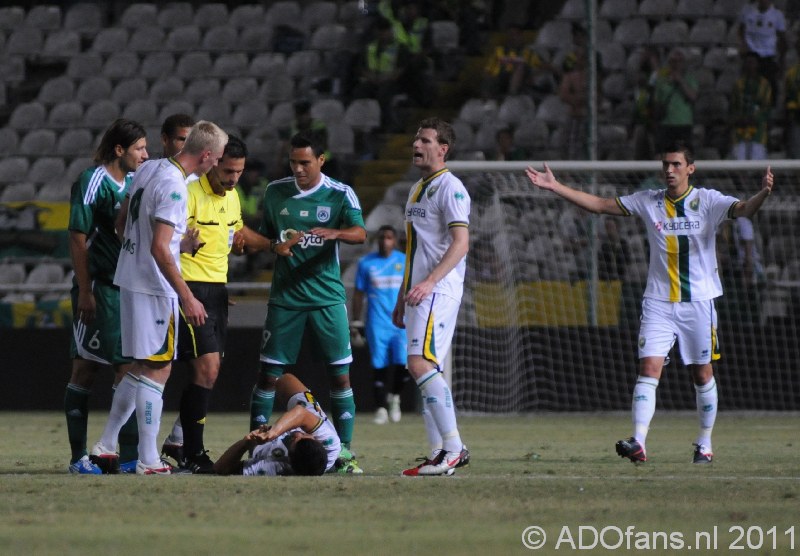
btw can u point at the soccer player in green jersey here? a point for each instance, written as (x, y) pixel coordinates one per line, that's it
(305, 217)
(94, 247)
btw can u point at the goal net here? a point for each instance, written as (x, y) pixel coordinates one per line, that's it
(549, 319)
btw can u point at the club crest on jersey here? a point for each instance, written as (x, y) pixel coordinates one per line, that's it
(431, 190)
(695, 204)
(175, 196)
(323, 214)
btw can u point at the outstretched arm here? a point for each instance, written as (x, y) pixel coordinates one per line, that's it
(592, 203)
(749, 207)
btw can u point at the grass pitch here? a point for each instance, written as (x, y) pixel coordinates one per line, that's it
(555, 471)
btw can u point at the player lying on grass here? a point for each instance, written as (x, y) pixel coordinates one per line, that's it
(302, 442)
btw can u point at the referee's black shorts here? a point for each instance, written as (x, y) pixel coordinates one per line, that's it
(194, 341)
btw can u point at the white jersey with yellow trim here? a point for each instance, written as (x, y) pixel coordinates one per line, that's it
(272, 458)
(435, 205)
(682, 234)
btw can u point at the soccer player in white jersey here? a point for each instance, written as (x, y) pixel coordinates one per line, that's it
(682, 283)
(302, 442)
(437, 220)
(151, 286)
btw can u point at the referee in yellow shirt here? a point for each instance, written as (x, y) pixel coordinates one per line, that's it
(213, 207)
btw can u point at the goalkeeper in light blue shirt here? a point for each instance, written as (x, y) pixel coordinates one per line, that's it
(378, 280)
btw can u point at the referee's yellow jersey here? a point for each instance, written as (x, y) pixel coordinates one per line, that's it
(217, 217)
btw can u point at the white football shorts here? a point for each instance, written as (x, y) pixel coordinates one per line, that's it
(148, 325)
(430, 326)
(693, 324)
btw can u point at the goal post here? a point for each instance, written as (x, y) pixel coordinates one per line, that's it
(549, 319)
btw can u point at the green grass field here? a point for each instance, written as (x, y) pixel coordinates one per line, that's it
(555, 471)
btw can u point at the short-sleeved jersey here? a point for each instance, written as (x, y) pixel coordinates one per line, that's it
(380, 279)
(761, 29)
(218, 218)
(435, 205)
(157, 194)
(312, 277)
(94, 203)
(682, 235)
(272, 458)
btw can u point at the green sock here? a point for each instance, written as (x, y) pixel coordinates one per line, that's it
(343, 407)
(76, 408)
(129, 440)
(261, 402)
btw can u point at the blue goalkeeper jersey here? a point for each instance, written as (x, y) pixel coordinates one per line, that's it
(381, 279)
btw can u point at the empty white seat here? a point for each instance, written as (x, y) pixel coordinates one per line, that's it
(210, 15)
(146, 39)
(56, 89)
(138, 15)
(278, 89)
(38, 142)
(673, 32)
(192, 65)
(45, 273)
(45, 17)
(101, 113)
(516, 108)
(121, 65)
(84, 65)
(110, 39)
(267, 64)
(175, 14)
(363, 114)
(256, 38)
(17, 192)
(246, 15)
(552, 110)
(286, 13)
(250, 114)
(329, 36)
(232, 64)
(74, 142)
(14, 168)
(28, 115)
(143, 111)
(341, 139)
(554, 35)
(618, 9)
(12, 273)
(693, 9)
(282, 115)
(54, 191)
(329, 110)
(573, 10)
(65, 114)
(632, 32)
(444, 35)
(615, 86)
(202, 89)
(221, 38)
(465, 135)
(709, 31)
(183, 39)
(128, 90)
(93, 89)
(9, 141)
(11, 17)
(240, 89)
(26, 42)
(61, 43)
(175, 107)
(383, 214)
(656, 9)
(214, 110)
(156, 65)
(475, 111)
(612, 55)
(46, 168)
(166, 90)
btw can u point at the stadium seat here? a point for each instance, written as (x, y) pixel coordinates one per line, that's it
(670, 33)
(303, 64)
(26, 42)
(101, 113)
(93, 89)
(54, 191)
(175, 14)
(615, 86)
(515, 109)
(328, 110)
(282, 115)
(573, 10)
(632, 32)
(317, 14)
(11, 17)
(232, 65)
(45, 17)
(363, 114)
(250, 114)
(156, 65)
(84, 65)
(9, 141)
(693, 9)
(222, 38)
(147, 39)
(74, 142)
(201, 89)
(262, 143)
(554, 35)
(65, 114)
(78, 165)
(166, 90)
(28, 115)
(45, 168)
(240, 89)
(121, 65)
(382, 214)
(552, 110)
(143, 111)
(215, 110)
(656, 9)
(45, 273)
(194, 65)
(341, 139)
(61, 43)
(709, 31)
(465, 136)
(246, 15)
(727, 80)
(12, 273)
(184, 39)
(256, 39)
(444, 36)
(175, 107)
(486, 135)
(128, 90)
(111, 39)
(17, 192)
(286, 13)
(277, 89)
(210, 15)
(475, 111)
(138, 15)
(728, 9)
(55, 90)
(38, 142)
(329, 36)
(618, 9)
(612, 55)
(14, 168)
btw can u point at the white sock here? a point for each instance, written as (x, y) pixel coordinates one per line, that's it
(123, 403)
(438, 400)
(176, 436)
(706, 397)
(434, 438)
(149, 404)
(643, 406)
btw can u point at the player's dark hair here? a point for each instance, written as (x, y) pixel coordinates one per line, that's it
(174, 122)
(308, 457)
(235, 148)
(308, 139)
(387, 228)
(445, 133)
(679, 146)
(122, 132)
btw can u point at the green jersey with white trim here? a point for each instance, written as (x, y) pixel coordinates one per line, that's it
(312, 277)
(94, 203)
